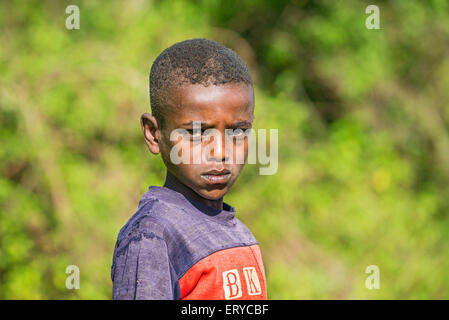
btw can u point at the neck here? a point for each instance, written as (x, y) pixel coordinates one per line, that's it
(173, 183)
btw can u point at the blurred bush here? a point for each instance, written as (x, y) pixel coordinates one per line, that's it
(363, 120)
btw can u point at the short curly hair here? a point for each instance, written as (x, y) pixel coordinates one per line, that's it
(195, 61)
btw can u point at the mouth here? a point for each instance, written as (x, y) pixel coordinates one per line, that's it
(215, 176)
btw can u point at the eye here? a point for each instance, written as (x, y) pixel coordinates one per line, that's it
(195, 133)
(238, 132)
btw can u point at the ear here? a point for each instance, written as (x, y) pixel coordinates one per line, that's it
(150, 132)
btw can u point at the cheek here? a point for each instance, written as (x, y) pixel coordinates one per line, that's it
(178, 156)
(165, 148)
(240, 152)
(173, 149)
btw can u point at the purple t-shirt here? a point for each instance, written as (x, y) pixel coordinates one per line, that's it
(175, 247)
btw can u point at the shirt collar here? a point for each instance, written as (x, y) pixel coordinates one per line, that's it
(169, 195)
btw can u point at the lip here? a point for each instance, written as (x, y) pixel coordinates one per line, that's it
(216, 176)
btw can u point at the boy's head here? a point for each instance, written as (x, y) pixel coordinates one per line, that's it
(203, 81)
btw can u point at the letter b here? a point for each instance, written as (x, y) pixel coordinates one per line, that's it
(231, 284)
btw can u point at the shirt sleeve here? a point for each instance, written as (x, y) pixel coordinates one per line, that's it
(141, 268)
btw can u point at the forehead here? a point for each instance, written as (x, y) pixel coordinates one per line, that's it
(212, 104)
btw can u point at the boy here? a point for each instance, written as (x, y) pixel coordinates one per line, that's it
(184, 242)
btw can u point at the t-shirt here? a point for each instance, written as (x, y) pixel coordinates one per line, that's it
(175, 247)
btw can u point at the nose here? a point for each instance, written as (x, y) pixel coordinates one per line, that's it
(218, 151)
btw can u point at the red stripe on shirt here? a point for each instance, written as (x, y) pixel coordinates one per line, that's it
(228, 274)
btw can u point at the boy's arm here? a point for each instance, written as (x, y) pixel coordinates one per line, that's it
(141, 269)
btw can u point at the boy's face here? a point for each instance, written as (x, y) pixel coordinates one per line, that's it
(229, 106)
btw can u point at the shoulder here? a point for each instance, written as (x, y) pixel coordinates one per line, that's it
(140, 227)
(147, 221)
(154, 217)
(244, 233)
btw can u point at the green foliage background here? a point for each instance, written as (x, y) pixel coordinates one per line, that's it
(363, 119)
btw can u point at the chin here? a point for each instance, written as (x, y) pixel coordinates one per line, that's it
(214, 194)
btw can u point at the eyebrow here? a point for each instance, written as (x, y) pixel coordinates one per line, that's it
(191, 123)
(241, 123)
(236, 124)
